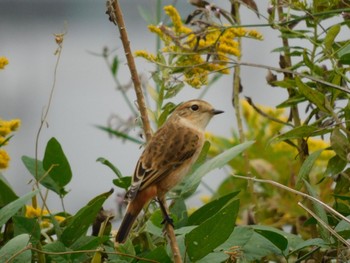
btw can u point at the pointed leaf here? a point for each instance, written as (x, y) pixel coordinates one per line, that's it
(306, 167)
(115, 64)
(301, 132)
(314, 96)
(110, 165)
(123, 182)
(14, 246)
(330, 36)
(56, 164)
(340, 144)
(25, 225)
(119, 134)
(217, 162)
(80, 222)
(275, 238)
(11, 209)
(210, 209)
(7, 195)
(212, 232)
(335, 166)
(320, 212)
(40, 174)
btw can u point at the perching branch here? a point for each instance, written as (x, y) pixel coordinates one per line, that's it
(116, 16)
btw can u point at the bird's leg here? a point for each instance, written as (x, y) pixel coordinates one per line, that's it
(167, 218)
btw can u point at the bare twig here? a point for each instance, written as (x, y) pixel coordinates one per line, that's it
(119, 19)
(30, 247)
(325, 225)
(59, 41)
(327, 207)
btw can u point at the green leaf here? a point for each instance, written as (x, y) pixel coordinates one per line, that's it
(344, 55)
(158, 254)
(110, 165)
(313, 96)
(320, 212)
(169, 107)
(306, 167)
(40, 174)
(123, 182)
(119, 134)
(330, 36)
(178, 210)
(14, 246)
(80, 222)
(301, 132)
(115, 65)
(174, 90)
(340, 144)
(217, 162)
(56, 164)
(11, 209)
(291, 101)
(210, 209)
(25, 225)
(335, 166)
(57, 247)
(212, 232)
(7, 195)
(86, 243)
(254, 246)
(201, 159)
(275, 238)
(315, 242)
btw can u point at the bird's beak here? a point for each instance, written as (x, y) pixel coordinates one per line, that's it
(215, 112)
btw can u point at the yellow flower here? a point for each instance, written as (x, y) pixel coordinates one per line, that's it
(144, 54)
(205, 198)
(3, 62)
(4, 159)
(174, 16)
(32, 212)
(6, 127)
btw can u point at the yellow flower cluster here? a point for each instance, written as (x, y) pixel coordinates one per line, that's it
(3, 62)
(6, 127)
(35, 212)
(195, 53)
(258, 123)
(145, 54)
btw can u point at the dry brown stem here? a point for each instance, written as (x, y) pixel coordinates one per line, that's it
(133, 71)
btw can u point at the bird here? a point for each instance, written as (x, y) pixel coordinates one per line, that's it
(166, 159)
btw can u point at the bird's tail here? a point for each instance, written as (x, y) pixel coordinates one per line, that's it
(134, 208)
(125, 227)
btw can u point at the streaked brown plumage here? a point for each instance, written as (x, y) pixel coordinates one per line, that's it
(167, 158)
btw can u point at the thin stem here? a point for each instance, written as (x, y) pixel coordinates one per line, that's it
(302, 145)
(59, 40)
(327, 207)
(126, 98)
(325, 225)
(30, 247)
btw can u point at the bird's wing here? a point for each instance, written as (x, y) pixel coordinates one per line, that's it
(164, 154)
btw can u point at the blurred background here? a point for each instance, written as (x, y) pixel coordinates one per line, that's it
(85, 93)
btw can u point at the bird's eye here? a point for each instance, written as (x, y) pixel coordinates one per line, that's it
(194, 107)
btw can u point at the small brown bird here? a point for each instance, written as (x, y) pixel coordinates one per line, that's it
(166, 159)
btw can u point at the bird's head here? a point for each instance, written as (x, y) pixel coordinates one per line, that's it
(196, 112)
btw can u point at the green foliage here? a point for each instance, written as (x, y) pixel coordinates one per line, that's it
(241, 221)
